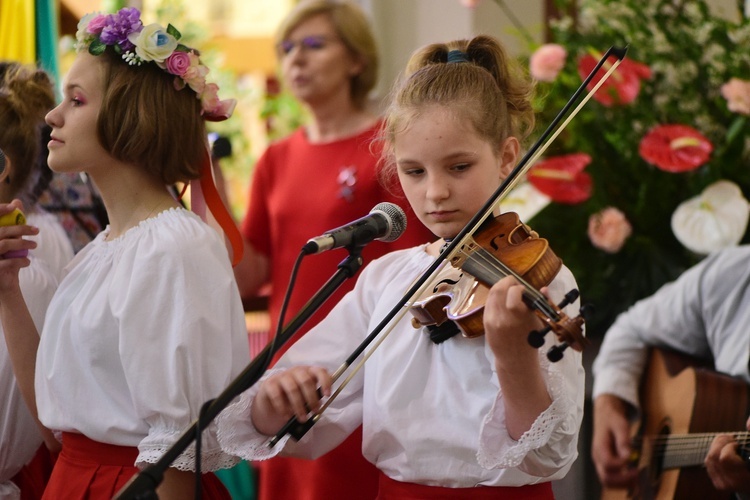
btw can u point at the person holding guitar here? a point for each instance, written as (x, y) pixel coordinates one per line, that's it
(704, 315)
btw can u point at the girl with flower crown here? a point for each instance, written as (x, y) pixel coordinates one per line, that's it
(147, 324)
(449, 417)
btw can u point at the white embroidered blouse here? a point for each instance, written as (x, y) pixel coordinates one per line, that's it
(142, 331)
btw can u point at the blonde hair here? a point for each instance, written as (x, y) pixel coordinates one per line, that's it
(144, 120)
(486, 86)
(352, 27)
(26, 95)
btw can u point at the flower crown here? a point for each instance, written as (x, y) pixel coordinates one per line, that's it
(138, 44)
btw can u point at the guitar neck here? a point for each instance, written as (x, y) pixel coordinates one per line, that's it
(676, 451)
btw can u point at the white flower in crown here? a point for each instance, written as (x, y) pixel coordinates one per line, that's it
(153, 43)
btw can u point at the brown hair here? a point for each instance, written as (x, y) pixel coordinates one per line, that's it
(487, 87)
(146, 121)
(26, 95)
(352, 26)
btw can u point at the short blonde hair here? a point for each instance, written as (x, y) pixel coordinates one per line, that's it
(489, 88)
(353, 27)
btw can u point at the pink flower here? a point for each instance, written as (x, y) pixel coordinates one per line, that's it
(547, 61)
(210, 97)
(96, 24)
(195, 75)
(178, 63)
(470, 3)
(609, 229)
(737, 94)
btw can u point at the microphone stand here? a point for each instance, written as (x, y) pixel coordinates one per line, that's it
(143, 485)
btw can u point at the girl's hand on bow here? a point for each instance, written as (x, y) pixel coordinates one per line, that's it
(296, 391)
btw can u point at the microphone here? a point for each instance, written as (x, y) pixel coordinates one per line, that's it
(386, 222)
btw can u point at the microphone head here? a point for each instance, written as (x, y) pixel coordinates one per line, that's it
(396, 220)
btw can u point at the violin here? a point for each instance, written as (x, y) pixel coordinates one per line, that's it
(502, 246)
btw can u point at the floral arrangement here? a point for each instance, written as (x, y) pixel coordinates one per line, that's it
(125, 33)
(654, 171)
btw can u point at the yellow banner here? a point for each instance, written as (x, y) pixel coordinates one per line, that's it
(17, 40)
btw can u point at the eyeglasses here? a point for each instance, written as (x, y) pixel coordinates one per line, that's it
(312, 42)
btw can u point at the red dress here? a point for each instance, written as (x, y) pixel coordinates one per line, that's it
(299, 191)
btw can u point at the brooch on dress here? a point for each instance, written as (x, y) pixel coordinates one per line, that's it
(347, 179)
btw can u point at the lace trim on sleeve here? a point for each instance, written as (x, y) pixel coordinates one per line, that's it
(238, 436)
(213, 458)
(508, 453)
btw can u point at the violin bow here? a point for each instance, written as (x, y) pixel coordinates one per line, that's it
(298, 429)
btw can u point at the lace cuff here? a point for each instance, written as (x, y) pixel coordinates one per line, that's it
(238, 436)
(497, 450)
(213, 458)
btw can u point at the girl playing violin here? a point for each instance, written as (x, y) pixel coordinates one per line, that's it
(483, 417)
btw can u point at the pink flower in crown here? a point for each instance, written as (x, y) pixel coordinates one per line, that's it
(96, 24)
(178, 63)
(195, 75)
(210, 97)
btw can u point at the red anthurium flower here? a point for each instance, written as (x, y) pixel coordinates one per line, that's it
(622, 86)
(675, 148)
(562, 178)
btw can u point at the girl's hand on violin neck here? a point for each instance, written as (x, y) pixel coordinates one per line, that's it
(296, 391)
(13, 248)
(507, 323)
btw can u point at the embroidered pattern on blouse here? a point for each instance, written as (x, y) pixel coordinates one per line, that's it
(212, 456)
(239, 438)
(538, 435)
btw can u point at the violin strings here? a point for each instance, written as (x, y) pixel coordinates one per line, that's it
(493, 269)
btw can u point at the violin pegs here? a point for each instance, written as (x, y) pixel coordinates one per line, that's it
(569, 298)
(536, 337)
(555, 353)
(587, 311)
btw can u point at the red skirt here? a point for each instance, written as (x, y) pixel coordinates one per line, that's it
(89, 470)
(396, 490)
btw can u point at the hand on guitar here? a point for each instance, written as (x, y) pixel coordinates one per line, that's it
(611, 447)
(726, 468)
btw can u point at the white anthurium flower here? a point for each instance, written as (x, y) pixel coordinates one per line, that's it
(525, 200)
(715, 219)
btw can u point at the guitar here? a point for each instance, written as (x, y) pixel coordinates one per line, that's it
(684, 407)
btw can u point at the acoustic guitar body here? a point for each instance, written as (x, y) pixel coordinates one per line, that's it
(680, 397)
